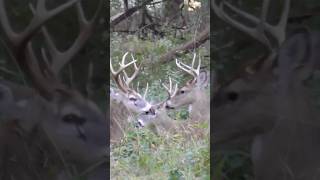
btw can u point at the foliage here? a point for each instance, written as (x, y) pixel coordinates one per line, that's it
(232, 165)
(143, 155)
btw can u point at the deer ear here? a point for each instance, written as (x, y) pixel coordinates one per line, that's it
(203, 79)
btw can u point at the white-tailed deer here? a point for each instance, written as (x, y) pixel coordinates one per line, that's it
(125, 103)
(272, 109)
(192, 94)
(50, 128)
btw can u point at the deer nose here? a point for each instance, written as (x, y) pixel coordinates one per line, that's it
(152, 111)
(140, 123)
(169, 107)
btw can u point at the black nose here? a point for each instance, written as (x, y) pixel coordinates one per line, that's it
(152, 111)
(139, 124)
(169, 107)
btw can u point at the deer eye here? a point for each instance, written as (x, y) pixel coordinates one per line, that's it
(147, 112)
(132, 99)
(73, 119)
(182, 92)
(232, 96)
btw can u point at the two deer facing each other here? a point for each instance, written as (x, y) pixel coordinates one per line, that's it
(153, 115)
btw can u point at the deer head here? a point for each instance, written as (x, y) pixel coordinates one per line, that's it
(192, 93)
(271, 108)
(135, 101)
(158, 112)
(73, 123)
(250, 91)
(126, 102)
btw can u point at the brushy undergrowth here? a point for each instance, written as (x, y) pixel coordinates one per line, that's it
(143, 155)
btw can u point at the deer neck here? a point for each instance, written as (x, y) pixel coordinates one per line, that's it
(199, 110)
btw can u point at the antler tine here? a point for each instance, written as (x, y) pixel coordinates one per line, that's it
(124, 81)
(170, 84)
(193, 59)
(122, 65)
(138, 85)
(169, 90)
(199, 65)
(258, 32)
(146, 91)
(60, 58)
(128, 79)
(42, 14)
(252, 31)
(190, 69)
(21, 44)
(278, 31)
(179, 64)
(43, 84)
(135, 65)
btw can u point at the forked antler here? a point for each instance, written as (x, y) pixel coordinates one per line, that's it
(194, 72)
(259, 32)
(145, 91)
(44, 73)
(123, 81)
(171, 92)
(59, 58)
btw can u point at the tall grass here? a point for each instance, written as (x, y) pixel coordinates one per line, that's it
(143, 155)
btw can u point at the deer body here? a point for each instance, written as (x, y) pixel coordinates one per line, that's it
(119, 115)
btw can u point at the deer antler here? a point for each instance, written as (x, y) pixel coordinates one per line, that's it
(124, 81)
(171, 92)
(145, 91)
(44, 73)
(127, 79)
(261, 26)
(190, 69)
(19, 40)
(59, 58)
